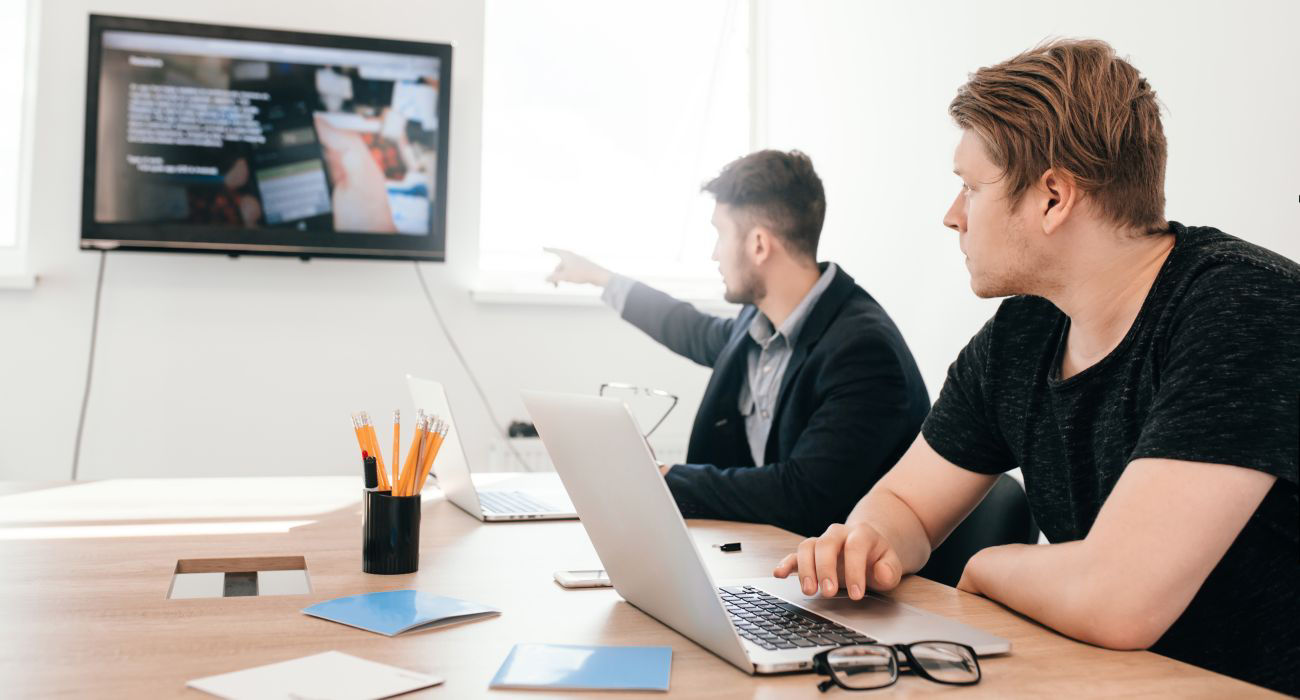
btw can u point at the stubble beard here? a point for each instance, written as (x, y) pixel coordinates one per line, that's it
(749, 289)
(1021, 272)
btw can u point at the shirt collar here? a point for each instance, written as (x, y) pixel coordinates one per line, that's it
(761, 329)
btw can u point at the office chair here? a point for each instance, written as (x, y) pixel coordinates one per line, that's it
(1001, 518)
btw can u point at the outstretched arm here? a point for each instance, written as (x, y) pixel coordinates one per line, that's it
(676, 324)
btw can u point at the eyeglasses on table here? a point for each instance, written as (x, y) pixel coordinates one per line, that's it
(872, 666)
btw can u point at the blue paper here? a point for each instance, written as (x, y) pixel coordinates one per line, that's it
(580, 667)
(394, 612)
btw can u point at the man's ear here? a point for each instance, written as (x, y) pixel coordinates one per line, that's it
(1058, 196)
(761, 244)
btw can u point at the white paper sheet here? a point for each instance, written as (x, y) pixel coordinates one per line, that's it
(331, 675)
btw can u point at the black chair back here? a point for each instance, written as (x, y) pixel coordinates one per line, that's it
(1001, 518)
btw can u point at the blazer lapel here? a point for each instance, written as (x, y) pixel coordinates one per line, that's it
(730, 364)
(717, 430)
(827, 308)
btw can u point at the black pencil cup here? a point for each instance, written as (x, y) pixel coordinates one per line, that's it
(390, 533)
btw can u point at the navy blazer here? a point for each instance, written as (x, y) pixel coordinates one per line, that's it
(850, 403)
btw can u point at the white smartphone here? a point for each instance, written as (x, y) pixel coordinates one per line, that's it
(587, 578)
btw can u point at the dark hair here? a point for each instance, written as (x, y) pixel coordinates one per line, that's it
(779, 190)
(1072, 105)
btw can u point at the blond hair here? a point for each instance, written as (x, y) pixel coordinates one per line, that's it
(1072, 106)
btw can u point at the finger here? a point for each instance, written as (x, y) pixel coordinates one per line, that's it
(786, 565)
(807, 566)
(332, 137)
(325, 132)
(827, 556)
(856, 547)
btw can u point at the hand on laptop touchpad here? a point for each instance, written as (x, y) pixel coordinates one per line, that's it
(839, 593)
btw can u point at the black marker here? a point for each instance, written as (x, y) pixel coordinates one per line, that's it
(372, 471)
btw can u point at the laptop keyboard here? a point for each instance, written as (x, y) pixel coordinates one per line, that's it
(772, 623)
(511, 502)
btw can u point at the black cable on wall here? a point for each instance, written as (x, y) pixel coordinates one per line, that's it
(459, 356)
(90, 364)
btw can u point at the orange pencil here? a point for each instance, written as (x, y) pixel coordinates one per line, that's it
(364, 442)
(422, 473)
(411, 453)
(427, 430)
(397, 441)
(361, 439)
(426, 448)
(374, 442)
(438, 436)
(368, 429)
(426, 422)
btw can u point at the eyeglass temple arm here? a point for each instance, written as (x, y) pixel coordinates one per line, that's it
(664, 417)
(648, 392)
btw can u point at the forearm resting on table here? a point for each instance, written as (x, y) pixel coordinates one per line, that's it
(1164, 527)
(1066, 588)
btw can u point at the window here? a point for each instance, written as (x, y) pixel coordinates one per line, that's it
(600, 122)
(13, 26)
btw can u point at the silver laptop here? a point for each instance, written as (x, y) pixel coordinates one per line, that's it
(504, 495)
(762, 625)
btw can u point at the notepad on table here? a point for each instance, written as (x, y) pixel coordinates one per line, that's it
(574, 667)
(394, 612)
(333, 675)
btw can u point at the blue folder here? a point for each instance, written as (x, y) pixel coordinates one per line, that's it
(572, 667)
(394, 612)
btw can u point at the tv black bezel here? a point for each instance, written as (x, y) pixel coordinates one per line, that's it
(187, 238)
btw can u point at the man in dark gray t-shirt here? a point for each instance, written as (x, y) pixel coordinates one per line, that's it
(1143, 375)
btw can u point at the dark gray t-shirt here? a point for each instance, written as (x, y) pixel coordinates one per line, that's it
(1209, 372)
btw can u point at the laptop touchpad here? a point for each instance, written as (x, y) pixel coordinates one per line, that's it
(846, 608)
(891, 622)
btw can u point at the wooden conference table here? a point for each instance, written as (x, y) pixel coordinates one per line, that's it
(85, 569)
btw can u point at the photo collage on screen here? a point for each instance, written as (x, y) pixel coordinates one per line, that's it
(245, 134)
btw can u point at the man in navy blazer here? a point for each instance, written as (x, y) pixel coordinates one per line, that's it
(814, 393)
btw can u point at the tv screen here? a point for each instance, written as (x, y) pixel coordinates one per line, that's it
(227, 139)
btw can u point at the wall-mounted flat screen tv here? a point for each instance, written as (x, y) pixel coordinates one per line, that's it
(234, 140)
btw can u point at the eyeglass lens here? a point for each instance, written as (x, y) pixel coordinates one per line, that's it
(866, 666)
(946, 662)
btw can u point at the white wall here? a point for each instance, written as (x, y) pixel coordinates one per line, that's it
(863, 88)
(212, 366)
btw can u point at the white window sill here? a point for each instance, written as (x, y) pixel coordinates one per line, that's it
(15, 282)
(500, 292)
